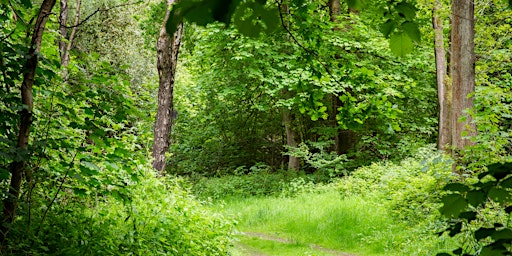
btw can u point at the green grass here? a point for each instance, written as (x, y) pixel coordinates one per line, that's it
(253, 245)
(326, 219)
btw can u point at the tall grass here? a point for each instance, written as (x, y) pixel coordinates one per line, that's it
(326, 219)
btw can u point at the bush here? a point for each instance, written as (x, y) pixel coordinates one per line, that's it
(155, 217)
(409, 191)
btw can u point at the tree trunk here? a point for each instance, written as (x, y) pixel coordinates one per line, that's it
(10, 203)
(443, 86)
(167, 53)
(291, 135)
(462, 71)
(344, 140)
(63, 20)
(65, 52)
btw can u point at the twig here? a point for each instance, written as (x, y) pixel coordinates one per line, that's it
(101, 10)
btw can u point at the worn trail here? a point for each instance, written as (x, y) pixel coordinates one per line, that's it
(252, 252)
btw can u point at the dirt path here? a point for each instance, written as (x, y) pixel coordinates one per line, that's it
(252, 252)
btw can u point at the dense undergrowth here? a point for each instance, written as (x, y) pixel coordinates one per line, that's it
(382, 209)
(152, 217)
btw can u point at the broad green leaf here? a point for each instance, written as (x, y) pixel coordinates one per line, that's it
(484, 232)
(400, 44)
(469, 216)
(407, 10)
(499, 195)
(475, 197)
(412, 31)
(456, 187)
(454, 204)
(387, 27)
(502, 234)
(355, 4)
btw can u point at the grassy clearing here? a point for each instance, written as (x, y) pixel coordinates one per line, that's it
(253, 246)
(325, 219)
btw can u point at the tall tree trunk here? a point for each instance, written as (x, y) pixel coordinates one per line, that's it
(167, 53)
(63, 21)
(65, 57)
(288, 117)
(462, 71)
(291, 135)
(344, 140)
(10, 203)
(443, 86)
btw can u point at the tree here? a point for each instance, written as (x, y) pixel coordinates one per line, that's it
(17, 168)
(167, 52)
(443, 86)
(462, 71)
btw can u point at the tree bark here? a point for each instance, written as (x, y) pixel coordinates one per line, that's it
(167, 55)
(462, 71)
(344, 140)
(443, 86)
(291, 135)
(10, 203)
(65, 52)
(63, 21)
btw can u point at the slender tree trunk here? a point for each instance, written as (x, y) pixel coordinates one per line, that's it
(167, 53)
(65, 57)
(291, 135)
(443, 86)
(288, 117)
(462, 71)
(10, 203)
(344, 140)
(63, 21)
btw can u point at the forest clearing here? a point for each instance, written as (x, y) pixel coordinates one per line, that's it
(256, 127)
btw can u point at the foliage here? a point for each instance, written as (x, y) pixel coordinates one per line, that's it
(479, 211)
(154, 217)
(409, 191)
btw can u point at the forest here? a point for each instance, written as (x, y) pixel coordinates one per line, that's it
(256, 127)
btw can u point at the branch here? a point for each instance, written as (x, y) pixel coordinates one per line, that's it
(311, 52)
(101, 10)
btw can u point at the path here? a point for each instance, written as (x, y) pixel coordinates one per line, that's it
(252, 252)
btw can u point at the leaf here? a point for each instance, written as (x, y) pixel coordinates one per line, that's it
(387, 27)
(400, 44)
(500, 171)
(469, 216)
(456, 187)
(502, 234)
(483, 233)
(355, 4)
(456, 229)
(443, 254)
(499, 195)
(407, 10)
(454, 204)
(475, 197)
(412, 31)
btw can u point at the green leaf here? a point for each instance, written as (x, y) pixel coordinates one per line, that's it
(475, 197)
(483, 233)
(455, 229)
(400, 44)
(387, 27)
(412, 31)
(406, 10)
(456, 187)
(454, 204)
(499, 195)
(502, 234)
(355, 4)
(469, 216)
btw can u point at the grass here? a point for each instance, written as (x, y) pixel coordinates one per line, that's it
(346, 224)
(325, 219)
(257, 246)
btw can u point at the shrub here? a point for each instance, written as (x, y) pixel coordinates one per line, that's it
(155, 217)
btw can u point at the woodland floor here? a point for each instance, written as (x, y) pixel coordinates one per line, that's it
(247, 250)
